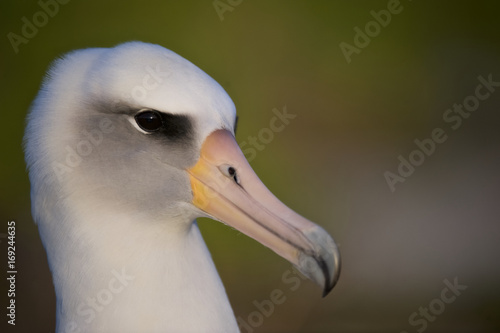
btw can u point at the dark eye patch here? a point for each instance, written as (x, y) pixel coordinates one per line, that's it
(165, 125)
(176, 126)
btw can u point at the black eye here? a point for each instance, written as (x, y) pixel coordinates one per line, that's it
(150, 121)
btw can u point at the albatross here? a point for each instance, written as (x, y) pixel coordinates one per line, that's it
(125, 148)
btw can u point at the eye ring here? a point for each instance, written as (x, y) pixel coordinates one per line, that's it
(149, 120)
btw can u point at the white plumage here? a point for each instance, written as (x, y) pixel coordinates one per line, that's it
(125, 148)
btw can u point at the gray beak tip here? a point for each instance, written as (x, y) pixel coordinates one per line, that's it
(322, 265)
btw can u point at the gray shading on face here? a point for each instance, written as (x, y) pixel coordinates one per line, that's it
(137, 169)
(125, 166)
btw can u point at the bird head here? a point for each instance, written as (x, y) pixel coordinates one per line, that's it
(137, 128)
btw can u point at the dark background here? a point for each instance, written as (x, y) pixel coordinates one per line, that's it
(352, 122)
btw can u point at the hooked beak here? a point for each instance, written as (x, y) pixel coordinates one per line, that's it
(226, 188)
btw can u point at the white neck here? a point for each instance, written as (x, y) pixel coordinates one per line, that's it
(115, 274)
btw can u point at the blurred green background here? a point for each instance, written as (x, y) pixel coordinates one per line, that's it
(352, 122)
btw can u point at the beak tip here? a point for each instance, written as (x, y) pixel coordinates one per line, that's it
(329, 284)
(322, 267)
